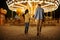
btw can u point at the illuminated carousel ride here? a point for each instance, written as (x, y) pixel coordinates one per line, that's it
(21, 6)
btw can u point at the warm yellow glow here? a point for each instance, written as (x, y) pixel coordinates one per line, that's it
(19, 11)
(31, 6)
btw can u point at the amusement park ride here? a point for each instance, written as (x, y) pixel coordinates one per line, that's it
(20, 6)
(47, 5)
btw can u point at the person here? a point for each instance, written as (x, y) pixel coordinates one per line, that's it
(27, 20)
(39, 15)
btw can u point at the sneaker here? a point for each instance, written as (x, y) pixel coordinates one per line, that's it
(26, 32)
(37, 34)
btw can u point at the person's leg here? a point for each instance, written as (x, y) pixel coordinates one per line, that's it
(26, 27)
(38, 23)
(39, 27)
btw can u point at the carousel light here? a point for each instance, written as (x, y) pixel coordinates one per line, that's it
(29, 2)
(12, 0)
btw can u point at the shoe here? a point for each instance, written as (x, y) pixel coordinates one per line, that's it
(26, 32)
(37, 34)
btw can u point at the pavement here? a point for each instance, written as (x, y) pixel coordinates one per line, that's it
(10, 32)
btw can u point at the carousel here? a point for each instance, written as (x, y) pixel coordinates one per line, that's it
(20, 5)
(14, 5)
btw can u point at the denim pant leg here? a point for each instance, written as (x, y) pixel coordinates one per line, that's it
(26, 27)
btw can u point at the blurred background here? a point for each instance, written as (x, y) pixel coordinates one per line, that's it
(18, 7)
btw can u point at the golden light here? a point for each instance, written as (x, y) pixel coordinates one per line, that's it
(48, 6)
(19, 11)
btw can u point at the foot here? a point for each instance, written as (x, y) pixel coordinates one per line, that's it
(37, 34)
(26, 32)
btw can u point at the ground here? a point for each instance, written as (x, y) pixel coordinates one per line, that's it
(9, 32)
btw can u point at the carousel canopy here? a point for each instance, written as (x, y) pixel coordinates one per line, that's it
(47, 5)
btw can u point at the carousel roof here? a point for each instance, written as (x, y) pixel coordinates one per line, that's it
(48, 6)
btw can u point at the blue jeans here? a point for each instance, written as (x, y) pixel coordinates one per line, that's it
(26, 27)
